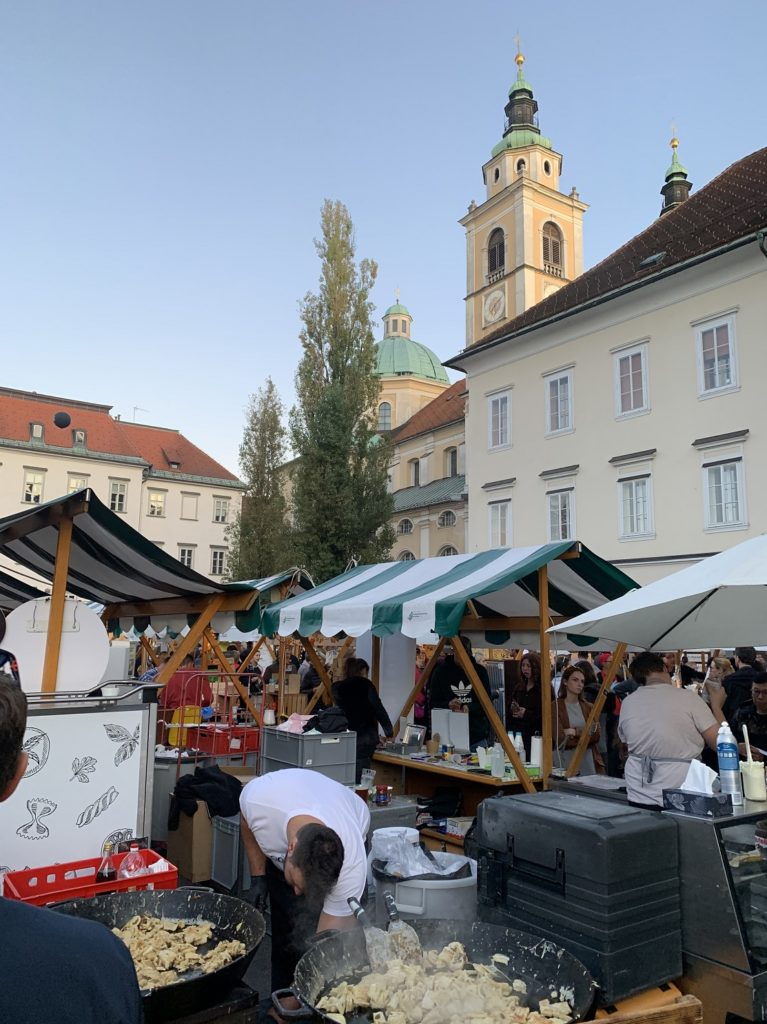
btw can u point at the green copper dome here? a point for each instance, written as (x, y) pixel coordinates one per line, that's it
(403, 357)
(676, 167)
(519, 138)
(398, 310)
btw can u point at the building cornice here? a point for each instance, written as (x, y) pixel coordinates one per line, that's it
(187, 478)
(624, 460)
(717, 439)
(73, 453)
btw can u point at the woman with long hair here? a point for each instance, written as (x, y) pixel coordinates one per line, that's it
(569, 721)
(525, 708)
(713, 691)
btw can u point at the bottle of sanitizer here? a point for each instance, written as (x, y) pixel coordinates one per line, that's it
(729, 764)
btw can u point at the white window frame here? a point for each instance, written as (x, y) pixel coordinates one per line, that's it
(406, 556)
(215, 555)
(381, 426)
(76, 482)
(183, 549)
(495, 531)
(711, 325)
(221, 503)
(627, 352)
(35, 487)
(451, 458)
(36, 432)
(78, 438)
(501, 442)
(448, 551)
(159, 498)
(117, 489)
(649, 532)
(414, 472)
(740, 479)
(402, 530)
(446, 525)
(189, 496)
(564, 495)
(548, 380)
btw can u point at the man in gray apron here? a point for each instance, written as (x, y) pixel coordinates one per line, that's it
(664, 728)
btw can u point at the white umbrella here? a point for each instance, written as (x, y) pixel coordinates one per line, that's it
(719, 602)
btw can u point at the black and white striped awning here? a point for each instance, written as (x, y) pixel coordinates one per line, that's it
(110, 562)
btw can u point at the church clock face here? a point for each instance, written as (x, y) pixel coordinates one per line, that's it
(494, 305)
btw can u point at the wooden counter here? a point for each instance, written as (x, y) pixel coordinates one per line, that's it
(422, 777)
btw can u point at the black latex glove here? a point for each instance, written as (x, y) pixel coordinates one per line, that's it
(257, 895)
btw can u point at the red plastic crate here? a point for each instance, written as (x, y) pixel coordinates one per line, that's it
(77, 880)
(219, 741)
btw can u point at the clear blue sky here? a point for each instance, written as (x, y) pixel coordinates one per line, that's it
(163, 165)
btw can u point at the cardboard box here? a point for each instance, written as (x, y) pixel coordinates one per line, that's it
(190, 847)
(242, 772)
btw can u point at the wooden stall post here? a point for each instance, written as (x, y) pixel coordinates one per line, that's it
(596, 710)
(420, 683)
(316, 661)
(148, 649)
(56, 611)
(464, 661)
(375, 668)
(543, 623)
(221, 658)
(188, 642)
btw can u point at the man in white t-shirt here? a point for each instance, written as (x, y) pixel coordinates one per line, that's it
(665, 728)
(304, 835)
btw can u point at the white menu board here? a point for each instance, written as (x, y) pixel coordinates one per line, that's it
(84, 785)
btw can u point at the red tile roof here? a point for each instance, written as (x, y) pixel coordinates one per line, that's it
(161, 447)
(447, 407)
(731, 207)
(104, 434)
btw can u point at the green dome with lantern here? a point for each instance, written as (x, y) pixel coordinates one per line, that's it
(397, 355)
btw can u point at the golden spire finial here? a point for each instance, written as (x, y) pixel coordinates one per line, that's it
(674, 140)
(520, 57)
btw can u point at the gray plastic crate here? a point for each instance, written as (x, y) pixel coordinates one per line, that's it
(331, 754)
(229, 863)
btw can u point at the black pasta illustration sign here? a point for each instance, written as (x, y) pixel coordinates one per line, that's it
(128, 741)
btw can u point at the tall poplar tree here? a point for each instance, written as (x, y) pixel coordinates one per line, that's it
(341, 504)
(259, 538)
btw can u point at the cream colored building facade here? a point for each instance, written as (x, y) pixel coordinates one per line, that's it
(155, 479)
(628, 410)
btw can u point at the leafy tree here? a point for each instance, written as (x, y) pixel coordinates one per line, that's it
(341, 505)
(259, 538)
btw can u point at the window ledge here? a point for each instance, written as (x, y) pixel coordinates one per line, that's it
(725, 528)
(636, 536)
(703, 396)
(633, 414)
(559, 433)
(499, 447)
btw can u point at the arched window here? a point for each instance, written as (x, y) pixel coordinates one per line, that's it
(384, 416)
(405, 526)
(521, 166)
(407, 556)
(451, 462)
(447, 550)
(552, 249)
(446, 518)
(496, 255)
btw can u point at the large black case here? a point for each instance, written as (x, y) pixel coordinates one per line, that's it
(595, 876)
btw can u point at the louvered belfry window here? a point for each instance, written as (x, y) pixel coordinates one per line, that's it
(552, 248)
(496, 255)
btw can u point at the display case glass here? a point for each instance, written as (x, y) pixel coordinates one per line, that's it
(746, 865)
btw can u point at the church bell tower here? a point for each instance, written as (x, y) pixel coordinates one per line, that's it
(526, 239)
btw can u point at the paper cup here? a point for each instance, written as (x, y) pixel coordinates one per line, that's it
(754, 787)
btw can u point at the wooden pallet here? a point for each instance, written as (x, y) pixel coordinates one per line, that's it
(683, 1010)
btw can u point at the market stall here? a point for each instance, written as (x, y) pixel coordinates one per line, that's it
(89, 776)
(500, 597)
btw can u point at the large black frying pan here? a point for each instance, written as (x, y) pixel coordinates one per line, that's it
(231, 918)
(543, 966)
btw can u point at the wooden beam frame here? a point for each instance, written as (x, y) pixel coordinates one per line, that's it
(316, 661)
(189, 642)
(420, 683)
(464, 661)
(228, 670)
(607, 679)
(56, 609)
(236, 601)
(546, 694)
(147, 647)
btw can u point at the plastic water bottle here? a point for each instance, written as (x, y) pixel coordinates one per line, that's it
(729, 764)
(132, 864)
(497, 763)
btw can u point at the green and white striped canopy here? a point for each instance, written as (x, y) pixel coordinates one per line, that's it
(431, 595)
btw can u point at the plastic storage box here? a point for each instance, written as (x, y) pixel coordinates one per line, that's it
(594, 876)
(331, 754)
(229, 863)
(418, 898)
